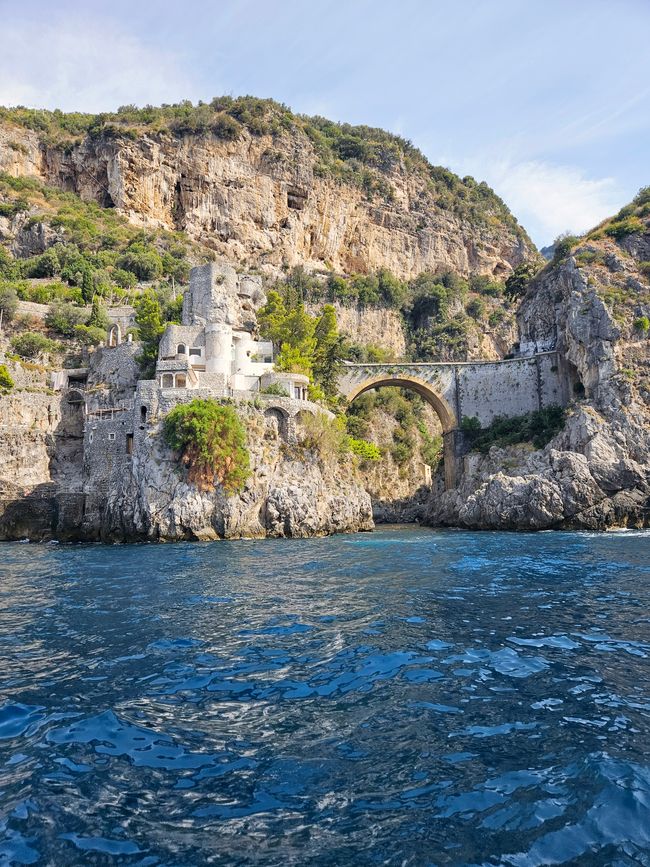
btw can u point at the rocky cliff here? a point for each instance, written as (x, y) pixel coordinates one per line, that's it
(292, 492)
(593, 304)
(274, 190)
(41, 440)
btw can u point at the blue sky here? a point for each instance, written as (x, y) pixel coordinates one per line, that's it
(546, 100)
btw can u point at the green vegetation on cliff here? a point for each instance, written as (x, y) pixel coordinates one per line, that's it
(211, 440)
(306, 344)
(6, 380)
(410, 434)
(441, 313)
(537, 428)
(96, 251)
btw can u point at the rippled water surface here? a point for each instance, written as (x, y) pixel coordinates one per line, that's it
(409, 697)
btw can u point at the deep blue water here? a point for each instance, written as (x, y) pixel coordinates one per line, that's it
(409, 697)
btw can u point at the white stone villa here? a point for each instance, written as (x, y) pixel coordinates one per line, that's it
(214, 347)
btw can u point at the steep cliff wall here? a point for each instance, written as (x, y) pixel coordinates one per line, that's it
(262, 195)
(41, 437)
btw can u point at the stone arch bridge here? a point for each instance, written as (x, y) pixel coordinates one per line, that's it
(481, 389)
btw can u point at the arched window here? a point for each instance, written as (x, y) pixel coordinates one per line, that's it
(181, 349)
(115, 335)
(181, 381)
(167, 380)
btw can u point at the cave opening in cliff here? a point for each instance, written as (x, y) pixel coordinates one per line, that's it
(576, 386)
(296, 198)
(408, 464)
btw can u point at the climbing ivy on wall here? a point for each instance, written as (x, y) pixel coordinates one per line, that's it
(211, 440)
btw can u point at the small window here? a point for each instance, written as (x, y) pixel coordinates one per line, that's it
(129, 444)
(196, 350)
(268, 359)
(180, 349)
(111, 437)
(167, 380)
(297, 392)
(181, 381)
(90, 437)
(143, 414)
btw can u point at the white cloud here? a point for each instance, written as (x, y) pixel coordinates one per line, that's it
(85, 66)
(548, 199)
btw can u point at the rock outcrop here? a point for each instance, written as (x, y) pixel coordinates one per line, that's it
(595, 473)
(291, 492)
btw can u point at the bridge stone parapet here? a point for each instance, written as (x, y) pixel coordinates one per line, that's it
(472, 389)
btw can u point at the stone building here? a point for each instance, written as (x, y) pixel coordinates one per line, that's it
(213, 353)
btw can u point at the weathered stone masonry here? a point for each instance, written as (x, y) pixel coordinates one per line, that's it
(474, 389)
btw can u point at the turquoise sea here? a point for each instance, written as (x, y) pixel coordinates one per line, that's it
(406, 697)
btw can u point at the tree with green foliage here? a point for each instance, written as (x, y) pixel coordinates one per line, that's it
(46, 265)
(475, 308)
(306, 344)
(517, 282)
(328, 352)
(63, 317)
(8, 301)
(173, 309)
(393, 291)
(124, 279)
(142, 261)
(87, 285)
(563, 245)
(429, 299)
(291, 329)
(98, 316)
(271, 318)
(211, 440)
(150, 324)
(90, 335)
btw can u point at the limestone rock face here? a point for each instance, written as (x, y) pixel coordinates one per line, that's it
(595, 473)
(377, 326)
(40, 443)
(290, 493)
(257, 200)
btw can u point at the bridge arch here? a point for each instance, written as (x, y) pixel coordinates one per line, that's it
(451, 435)
(442, 409)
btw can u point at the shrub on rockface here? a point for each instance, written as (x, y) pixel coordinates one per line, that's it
(64, 318)
(6, 380)
(367, 451)
(537, 428)
(211, 440)
(30, 344)
(8, 301)
(324, 435)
